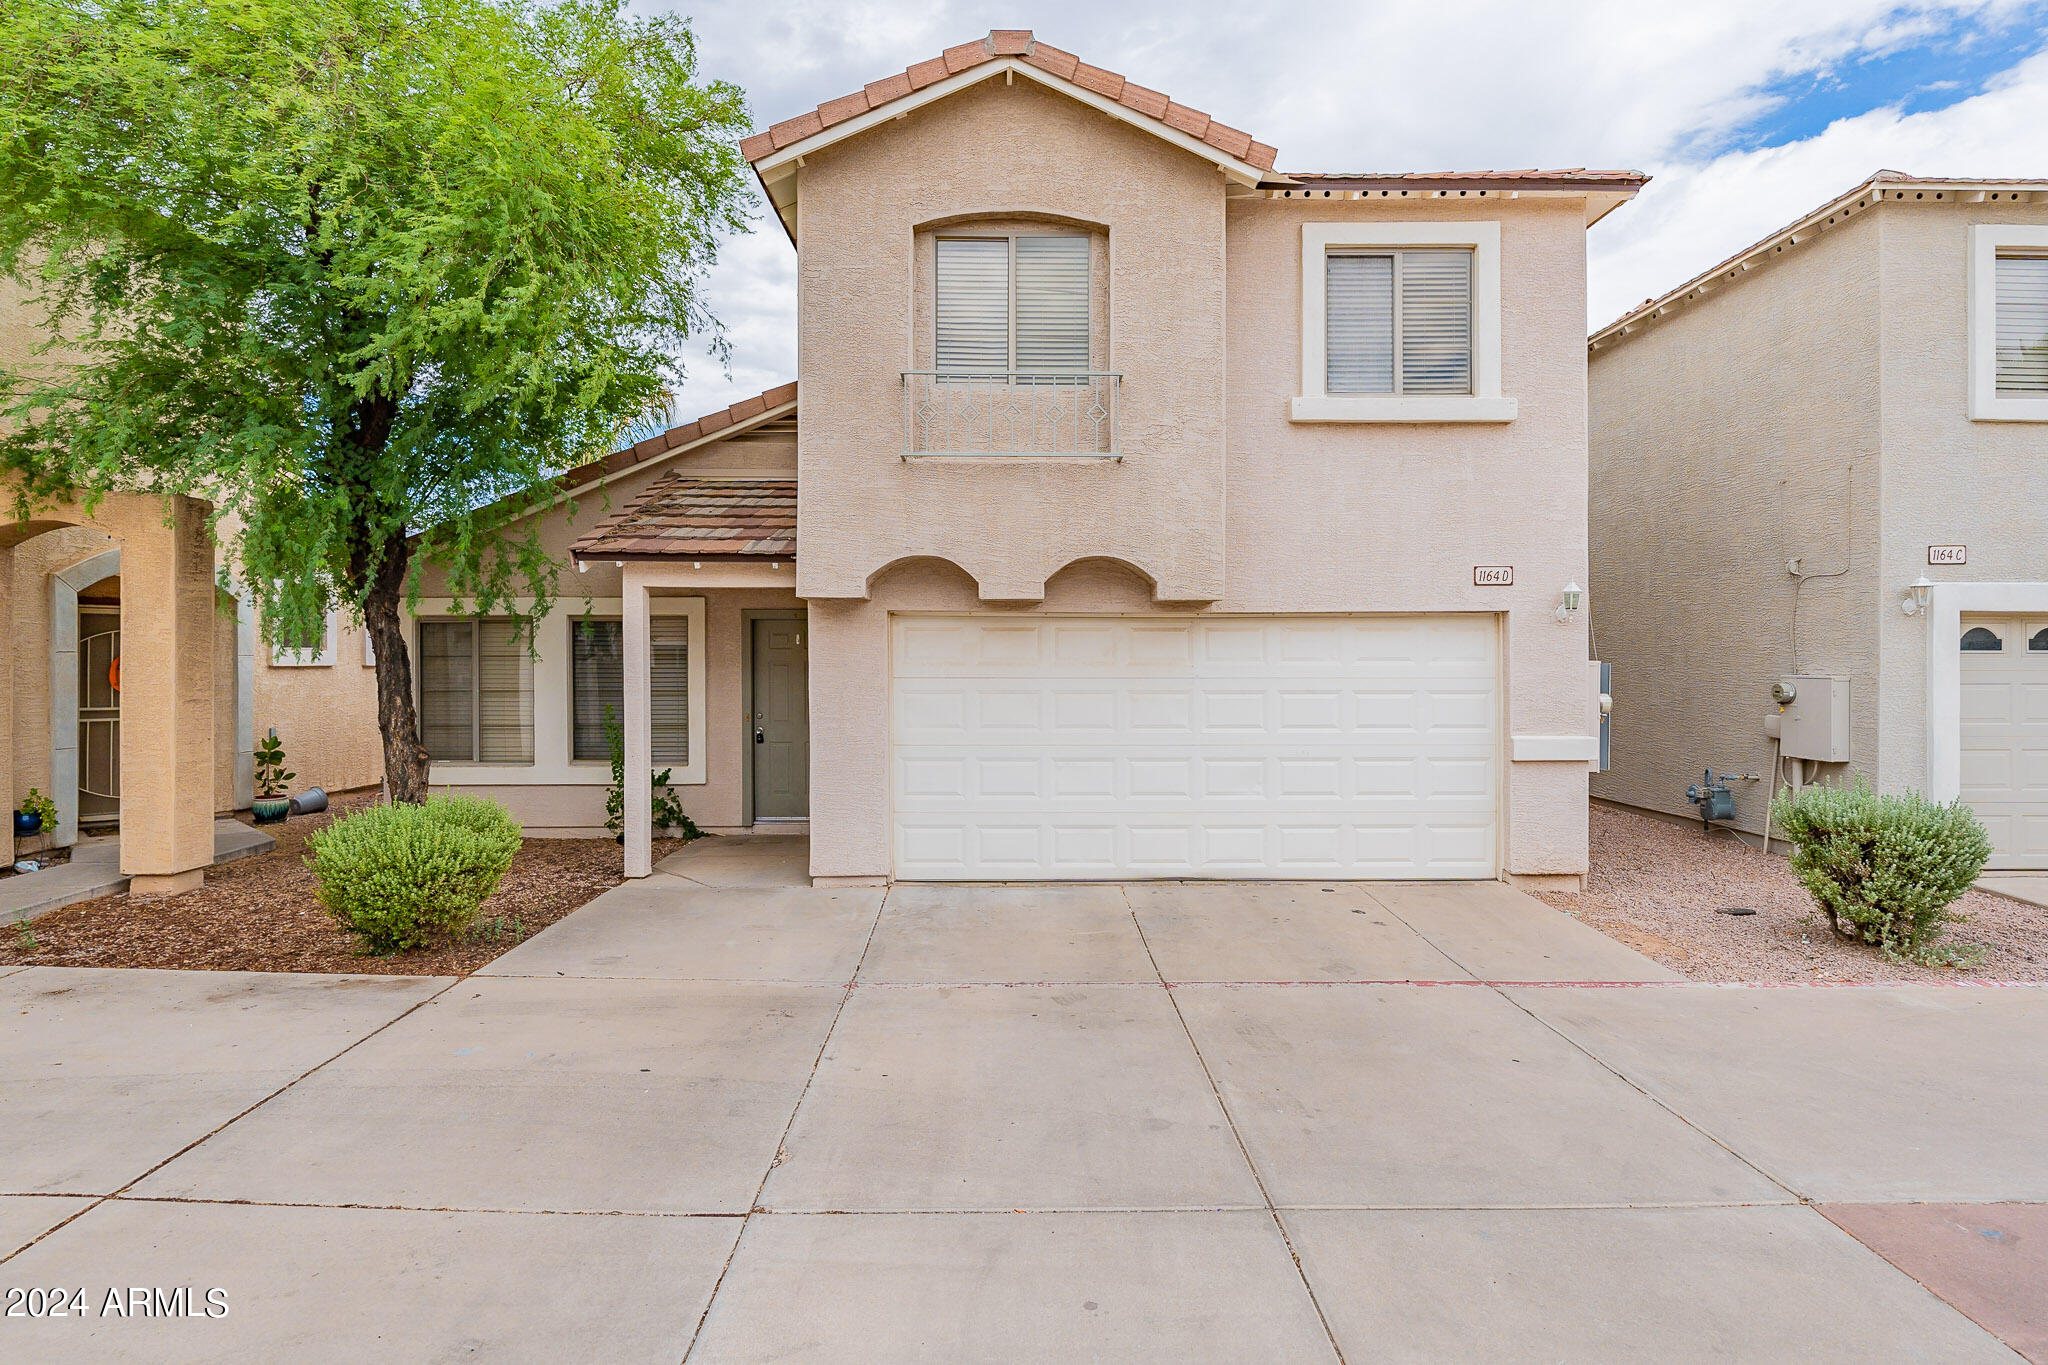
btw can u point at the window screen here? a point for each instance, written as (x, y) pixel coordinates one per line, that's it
(597, 681)
(1008, 304)
(2023, 325)
(476, 692)
(1398, 322)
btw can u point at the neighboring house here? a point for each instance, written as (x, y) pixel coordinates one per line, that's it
(1148, 513)
(1828, 456)
(63, 613)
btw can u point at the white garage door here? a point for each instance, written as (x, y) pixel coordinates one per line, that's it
(1109, 747)
(2005, 735)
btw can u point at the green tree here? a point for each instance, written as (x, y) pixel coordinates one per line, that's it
(367, 274)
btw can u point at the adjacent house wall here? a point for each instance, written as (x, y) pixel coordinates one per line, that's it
(1393, 517)
(1947, 480)
(1727, 439)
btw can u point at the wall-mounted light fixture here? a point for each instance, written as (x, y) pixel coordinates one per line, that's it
(1915, 600)
(1568, 602)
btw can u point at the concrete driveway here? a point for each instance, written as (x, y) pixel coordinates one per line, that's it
(719, 1115)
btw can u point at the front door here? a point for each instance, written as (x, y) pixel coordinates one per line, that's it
(781, 721)
(99, 717)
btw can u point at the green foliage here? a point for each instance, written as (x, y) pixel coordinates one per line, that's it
(668, 807)
(271, 775)
(354, 270)
(1884, 869)
(404, 877)
(35, 803)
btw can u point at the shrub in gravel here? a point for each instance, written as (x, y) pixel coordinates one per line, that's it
(1884, 869)
(405, 877)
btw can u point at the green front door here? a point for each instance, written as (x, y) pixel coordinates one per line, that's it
(781, 721)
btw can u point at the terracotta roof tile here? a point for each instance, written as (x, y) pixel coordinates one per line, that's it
(1020, 43)
(963, 55)
(686, 515)
(1057, 60)
(1193, 122)
(1150, 103)
(843, 108)
(882, 91)
(620, 460)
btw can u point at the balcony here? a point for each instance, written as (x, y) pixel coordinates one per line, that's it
(1010, 413)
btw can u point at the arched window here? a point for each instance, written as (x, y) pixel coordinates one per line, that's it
(1978, 640)
(2039, 644)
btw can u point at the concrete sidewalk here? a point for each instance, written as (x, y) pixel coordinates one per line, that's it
(759, 1121)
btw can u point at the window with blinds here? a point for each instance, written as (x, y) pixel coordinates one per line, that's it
(597, 670)
(476, 692)
(1012, 304)
(1398, 321)
(2022, 326)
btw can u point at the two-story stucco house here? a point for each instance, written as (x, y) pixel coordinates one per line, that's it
(1826, 458)
(1141, 511)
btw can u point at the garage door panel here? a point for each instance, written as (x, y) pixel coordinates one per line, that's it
(1173, 748)
(2004, 734)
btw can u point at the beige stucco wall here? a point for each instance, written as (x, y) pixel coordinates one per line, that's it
(1738, 433)
(1011, 524)
(1392, 517)
(1947, 480)
(29, 616)
(325, 716)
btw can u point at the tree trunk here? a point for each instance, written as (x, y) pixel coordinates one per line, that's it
(405, 758)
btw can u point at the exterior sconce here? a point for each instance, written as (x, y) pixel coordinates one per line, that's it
(1915, 600)
(1568, 602)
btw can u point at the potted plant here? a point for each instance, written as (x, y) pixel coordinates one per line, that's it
(36, 814)
(271, 804)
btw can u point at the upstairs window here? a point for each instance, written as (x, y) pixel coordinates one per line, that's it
(2022, 325)
(2008, 322)
(1012, 304)
(1398, 322)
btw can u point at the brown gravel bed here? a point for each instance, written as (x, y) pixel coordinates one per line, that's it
(1658, 886)
(261, 914)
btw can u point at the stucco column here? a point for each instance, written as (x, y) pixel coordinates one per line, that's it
(8, 786)
(167, 703)
(638, 725)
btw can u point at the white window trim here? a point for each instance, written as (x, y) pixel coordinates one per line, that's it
(303, 658)
(554, 739)
(1986, 239)
(1483, 404)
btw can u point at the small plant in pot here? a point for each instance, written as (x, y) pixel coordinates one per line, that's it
(36, 814)
(271, 804)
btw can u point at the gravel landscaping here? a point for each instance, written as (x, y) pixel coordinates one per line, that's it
(1660, 888)
(262, 914)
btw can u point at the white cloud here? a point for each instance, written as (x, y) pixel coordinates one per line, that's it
(1487, 83)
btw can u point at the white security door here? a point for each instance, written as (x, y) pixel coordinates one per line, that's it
(2005, 735)
(1037, 748)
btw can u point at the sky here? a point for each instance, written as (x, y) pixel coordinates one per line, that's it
(1747, 113)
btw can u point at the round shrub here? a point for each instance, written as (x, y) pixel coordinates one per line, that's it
(405, 877)
(1883, 868)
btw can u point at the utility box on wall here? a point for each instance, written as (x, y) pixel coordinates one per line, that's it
(1813, 718)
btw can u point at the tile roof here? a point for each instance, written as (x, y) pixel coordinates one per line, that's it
(1570, 177)
(708, 425)
(693, 516)
(1803, 231)
(1022, 45)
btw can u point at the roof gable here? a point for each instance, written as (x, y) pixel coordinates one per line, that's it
(776, 150)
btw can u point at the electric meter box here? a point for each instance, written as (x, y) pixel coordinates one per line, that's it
(1814, 724)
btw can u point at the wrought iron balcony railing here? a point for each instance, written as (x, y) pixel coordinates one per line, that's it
(1009, 412)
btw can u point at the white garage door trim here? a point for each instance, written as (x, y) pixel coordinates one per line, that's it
(1126, 747)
